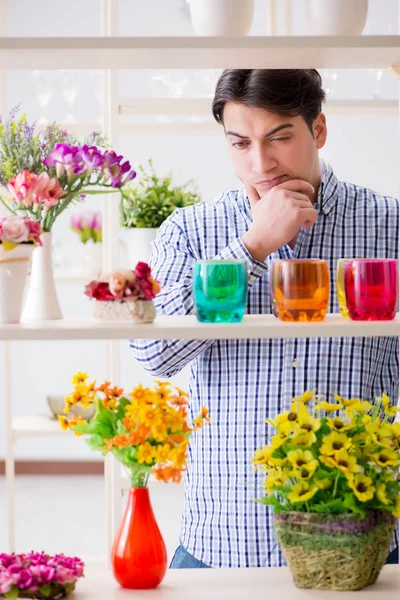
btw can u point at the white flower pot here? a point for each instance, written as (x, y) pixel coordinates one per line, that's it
(90, 256)
(337, 17)
(137, 243)
(42, 301)
(14, 266)
(221, 17)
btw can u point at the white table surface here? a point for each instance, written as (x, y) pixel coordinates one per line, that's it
(228, 584)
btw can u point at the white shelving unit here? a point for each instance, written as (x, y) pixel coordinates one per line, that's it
(113, 53)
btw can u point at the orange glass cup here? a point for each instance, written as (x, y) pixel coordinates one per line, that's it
(301, 289)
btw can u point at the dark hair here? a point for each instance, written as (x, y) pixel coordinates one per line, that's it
(290, 92)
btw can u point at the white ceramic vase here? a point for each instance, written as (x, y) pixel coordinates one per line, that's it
(221, 17)
(42, 301)
(14, 267)
(337, 17)
(137, 243)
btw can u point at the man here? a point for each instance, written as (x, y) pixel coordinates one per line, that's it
(292, 206)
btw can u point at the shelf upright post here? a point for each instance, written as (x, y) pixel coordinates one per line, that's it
(7, 381)
(113, 495)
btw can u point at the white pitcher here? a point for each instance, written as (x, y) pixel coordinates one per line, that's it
(337, 17)
(221, 17)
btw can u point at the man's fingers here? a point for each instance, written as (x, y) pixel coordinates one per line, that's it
(297, 185)
(252, 195)
(309, 217)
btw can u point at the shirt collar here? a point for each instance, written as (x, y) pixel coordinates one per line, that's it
(327, 192)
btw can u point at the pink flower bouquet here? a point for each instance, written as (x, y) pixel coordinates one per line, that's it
(16, 230)
(125, 287)
(37, 575)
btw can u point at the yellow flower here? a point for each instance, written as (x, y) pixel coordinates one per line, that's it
(307, 423)
(304, 438)
(334, 442)
(346, 463)
(302, 492)
(163, 453)
(381, 494)
(339, 425)
(346, 402)
(286, 422)
(380, 434)
(63, 422)
(139, 393)
(386, 457)
(145, 453)
(323, 484)
(305, 397)
(277, 462)
(148, 416)
(326, 406)
(79, 378)
(299, 458)
(359, 407)
(361, 486)
(389, 410)
(278, 440)
(274, 479)
(262, 456)
(306, 471)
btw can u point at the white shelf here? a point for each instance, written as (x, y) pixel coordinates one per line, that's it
(36, 426)
(187, 327)
(199, 52)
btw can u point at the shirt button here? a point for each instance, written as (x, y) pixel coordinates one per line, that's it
(295, 363)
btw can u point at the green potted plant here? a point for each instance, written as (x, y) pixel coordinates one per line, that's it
(145, 206)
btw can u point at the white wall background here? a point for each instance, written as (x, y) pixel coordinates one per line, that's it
(364, 150)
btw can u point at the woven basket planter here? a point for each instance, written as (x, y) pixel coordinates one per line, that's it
(57, 592)
(335, 552)
(139, 311)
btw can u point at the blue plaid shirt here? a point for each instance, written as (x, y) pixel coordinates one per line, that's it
(244, 381)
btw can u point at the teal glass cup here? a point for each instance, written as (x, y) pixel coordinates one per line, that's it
(220, 290)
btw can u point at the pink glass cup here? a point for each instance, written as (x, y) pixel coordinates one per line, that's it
(371, 289)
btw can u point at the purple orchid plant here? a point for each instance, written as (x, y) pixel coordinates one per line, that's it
(46, 173)
(38, 575)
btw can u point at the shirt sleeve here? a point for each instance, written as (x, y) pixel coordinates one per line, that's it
(172, 261)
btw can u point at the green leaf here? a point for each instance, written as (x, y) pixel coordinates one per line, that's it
(69, 587)
(13, 593)
(45, 590)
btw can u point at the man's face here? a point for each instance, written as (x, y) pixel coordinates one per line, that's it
(267, 149)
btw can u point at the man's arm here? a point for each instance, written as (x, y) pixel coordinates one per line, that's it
(172, 260)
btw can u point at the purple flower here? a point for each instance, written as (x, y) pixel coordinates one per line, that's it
(115, 170)
(25, 579)
(92, 158)
(43, 573)
(66, 159)
(76, 222)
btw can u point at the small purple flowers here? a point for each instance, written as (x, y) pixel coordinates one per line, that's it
(83, 161)
(39, 573)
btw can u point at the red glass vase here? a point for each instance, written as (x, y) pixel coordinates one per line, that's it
(139, 556)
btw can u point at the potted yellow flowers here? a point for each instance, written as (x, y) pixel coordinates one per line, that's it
(333, 483)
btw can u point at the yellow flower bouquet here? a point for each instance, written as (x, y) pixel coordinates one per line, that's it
(332, 479)
(147, 430)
